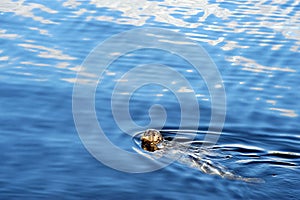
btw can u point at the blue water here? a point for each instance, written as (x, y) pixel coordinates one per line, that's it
(254, 44)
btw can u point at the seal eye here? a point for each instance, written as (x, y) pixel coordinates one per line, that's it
(150, 139)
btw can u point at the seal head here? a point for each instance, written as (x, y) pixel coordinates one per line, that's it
(150, 139)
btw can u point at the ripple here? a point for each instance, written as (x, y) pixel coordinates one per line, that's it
(237, 153)
(252, 65)
(46, 52)
(269, 162)
(285, 112)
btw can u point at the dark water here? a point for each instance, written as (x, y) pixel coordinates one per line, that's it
(255, 45)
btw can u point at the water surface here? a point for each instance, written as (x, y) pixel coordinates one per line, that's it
(254, 44)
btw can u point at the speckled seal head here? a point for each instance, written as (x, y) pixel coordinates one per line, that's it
(150, 139)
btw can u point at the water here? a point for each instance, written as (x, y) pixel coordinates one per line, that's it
(255, 45)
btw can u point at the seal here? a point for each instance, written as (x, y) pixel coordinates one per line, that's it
(196, 157)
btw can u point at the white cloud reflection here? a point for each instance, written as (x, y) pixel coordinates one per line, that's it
(24, 9)
(244, 24)
(138, 12)
(253, 66)
(41, 31)
(46, 52)
(285, 112)
(252, 17)
(5, 35)
(4, 58)
(72, 3)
